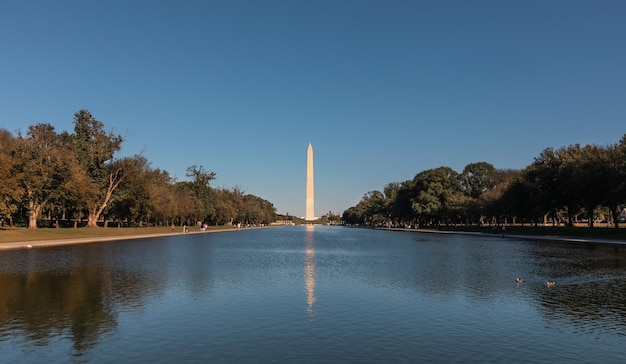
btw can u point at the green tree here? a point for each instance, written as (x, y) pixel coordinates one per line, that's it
(519, 199)
(614, 177)
(477, 179)
(255, 210)
(353, 216)
(570, 177)
(402, 207)
(591, 177)
(374, 204)
(436, 192)
(391, 191)
(543, 178)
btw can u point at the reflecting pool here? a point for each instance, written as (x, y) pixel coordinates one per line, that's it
(314, 294)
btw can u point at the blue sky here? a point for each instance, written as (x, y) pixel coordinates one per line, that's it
(382, 89)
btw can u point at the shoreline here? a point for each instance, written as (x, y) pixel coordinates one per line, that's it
(100, 239)
(516, 236)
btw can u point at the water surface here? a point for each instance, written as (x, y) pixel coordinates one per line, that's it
(323, 294)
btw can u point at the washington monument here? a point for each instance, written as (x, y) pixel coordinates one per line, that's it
(310, 194)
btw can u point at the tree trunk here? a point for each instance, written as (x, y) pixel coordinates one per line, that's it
(570, 217)
(32, 221)
(92, 219)
(33, 214)
(115, 178)
(590, 213)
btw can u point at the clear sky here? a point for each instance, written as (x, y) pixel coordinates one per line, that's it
(382, 89)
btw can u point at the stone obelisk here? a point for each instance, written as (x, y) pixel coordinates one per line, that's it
(310, 195)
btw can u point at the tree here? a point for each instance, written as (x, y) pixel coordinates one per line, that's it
(570, 177)
(543, 178)
(494, 203)
(435, 193)
(477, 178)
(227, 204)
(592, 178)
(132, 200)
(189, 208)
(352, 216)
(162, 204)
(402, 207)
(10, 189)
(391, 191)
(374, 206)
(95, 150)
(255, 210)
(518, 200)
(43, 168)
(202, 191)
(614, 177)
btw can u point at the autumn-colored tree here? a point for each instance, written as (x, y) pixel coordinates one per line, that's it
(96, 150)
(43, 167)
(10, 188)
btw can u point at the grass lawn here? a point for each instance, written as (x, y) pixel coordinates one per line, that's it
(22, 234)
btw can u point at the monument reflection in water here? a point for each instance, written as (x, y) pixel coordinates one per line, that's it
(314, 294)
(309, 269)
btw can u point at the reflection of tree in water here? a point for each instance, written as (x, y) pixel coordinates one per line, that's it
(590, 307)
(590, 291)
(61, 295)
(440, 266)
(49, 304)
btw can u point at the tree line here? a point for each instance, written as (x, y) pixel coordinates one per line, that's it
(53, 178)
(563, 186)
